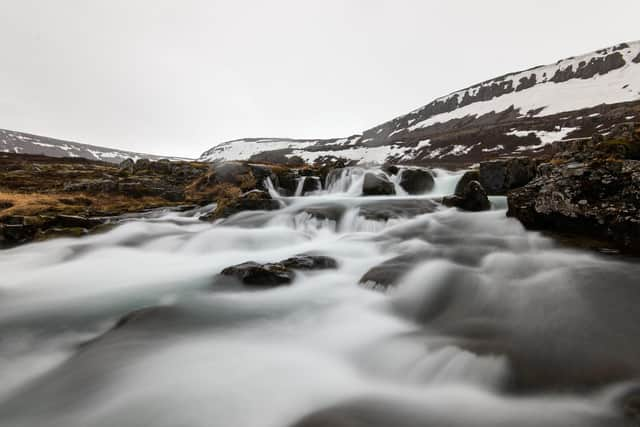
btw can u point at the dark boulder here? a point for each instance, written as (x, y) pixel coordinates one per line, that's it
(127, 166)
(254, 274)
(499, 176)
(255, 200)
(310, 262)
(472, 175)
(311, 184)
(230, 172)
(391, 169)
(278, 273)
(142, 164)
(416, 181)
(287, 181)
(473, 199)
(377, 185)
(162, 167)
(261, 174)
(16, 234)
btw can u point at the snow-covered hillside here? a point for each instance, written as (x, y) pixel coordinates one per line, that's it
(24, 143)
(519, 112)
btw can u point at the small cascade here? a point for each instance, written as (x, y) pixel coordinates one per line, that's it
(308, 185)
(300, 186)
(346, 181)
(445, 182)
(396, 180)
(273, 191)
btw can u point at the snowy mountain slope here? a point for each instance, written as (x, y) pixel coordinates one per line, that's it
(24, 143)
(522, 112)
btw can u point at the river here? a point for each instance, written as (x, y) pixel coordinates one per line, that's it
(486, 324)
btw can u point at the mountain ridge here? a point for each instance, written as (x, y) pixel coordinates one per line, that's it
(517, 113)
(27, 143)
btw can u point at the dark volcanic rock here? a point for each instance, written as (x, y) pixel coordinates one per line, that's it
(16, 234)
(279, 273)
(416, 181)
(310, 262)
(468, 176)
(254, 274)
(473, 198)
(391, 169)
(591, 199)
(592, 191)
(252, 201)
(377, 185)
(311, 184)
(500, 176)
(127, 165)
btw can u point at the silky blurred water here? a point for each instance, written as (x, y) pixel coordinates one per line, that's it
(490, 326)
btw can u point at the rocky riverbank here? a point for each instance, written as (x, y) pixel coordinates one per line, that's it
(589, 189)
(43, 197)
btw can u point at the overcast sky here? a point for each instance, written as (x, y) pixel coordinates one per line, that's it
(175, 77)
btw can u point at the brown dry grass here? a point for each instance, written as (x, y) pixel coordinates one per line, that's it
(31, 204)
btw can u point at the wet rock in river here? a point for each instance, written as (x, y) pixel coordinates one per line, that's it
(499, 176)
(416, 180)
(473, 198)
(310, 262)
(377, 185)
(254, 274)
(278, 273)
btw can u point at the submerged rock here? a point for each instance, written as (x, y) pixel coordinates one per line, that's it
(377, 185)
(416, 181)
(387, 274)
(473, 198)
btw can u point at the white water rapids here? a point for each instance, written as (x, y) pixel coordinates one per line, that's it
(488, 324)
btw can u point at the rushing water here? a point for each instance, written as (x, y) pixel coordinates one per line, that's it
(490, 325)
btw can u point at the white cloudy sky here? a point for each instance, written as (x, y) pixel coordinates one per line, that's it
(178, 76)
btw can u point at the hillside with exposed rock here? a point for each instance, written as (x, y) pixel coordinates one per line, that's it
(26, 143)
(519, 113)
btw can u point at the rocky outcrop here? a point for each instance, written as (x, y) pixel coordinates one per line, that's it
(592, 190)
(16, 229)
(377, 185)
(473, 198)
(416, 180)
(229, 204)
(279, 273)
